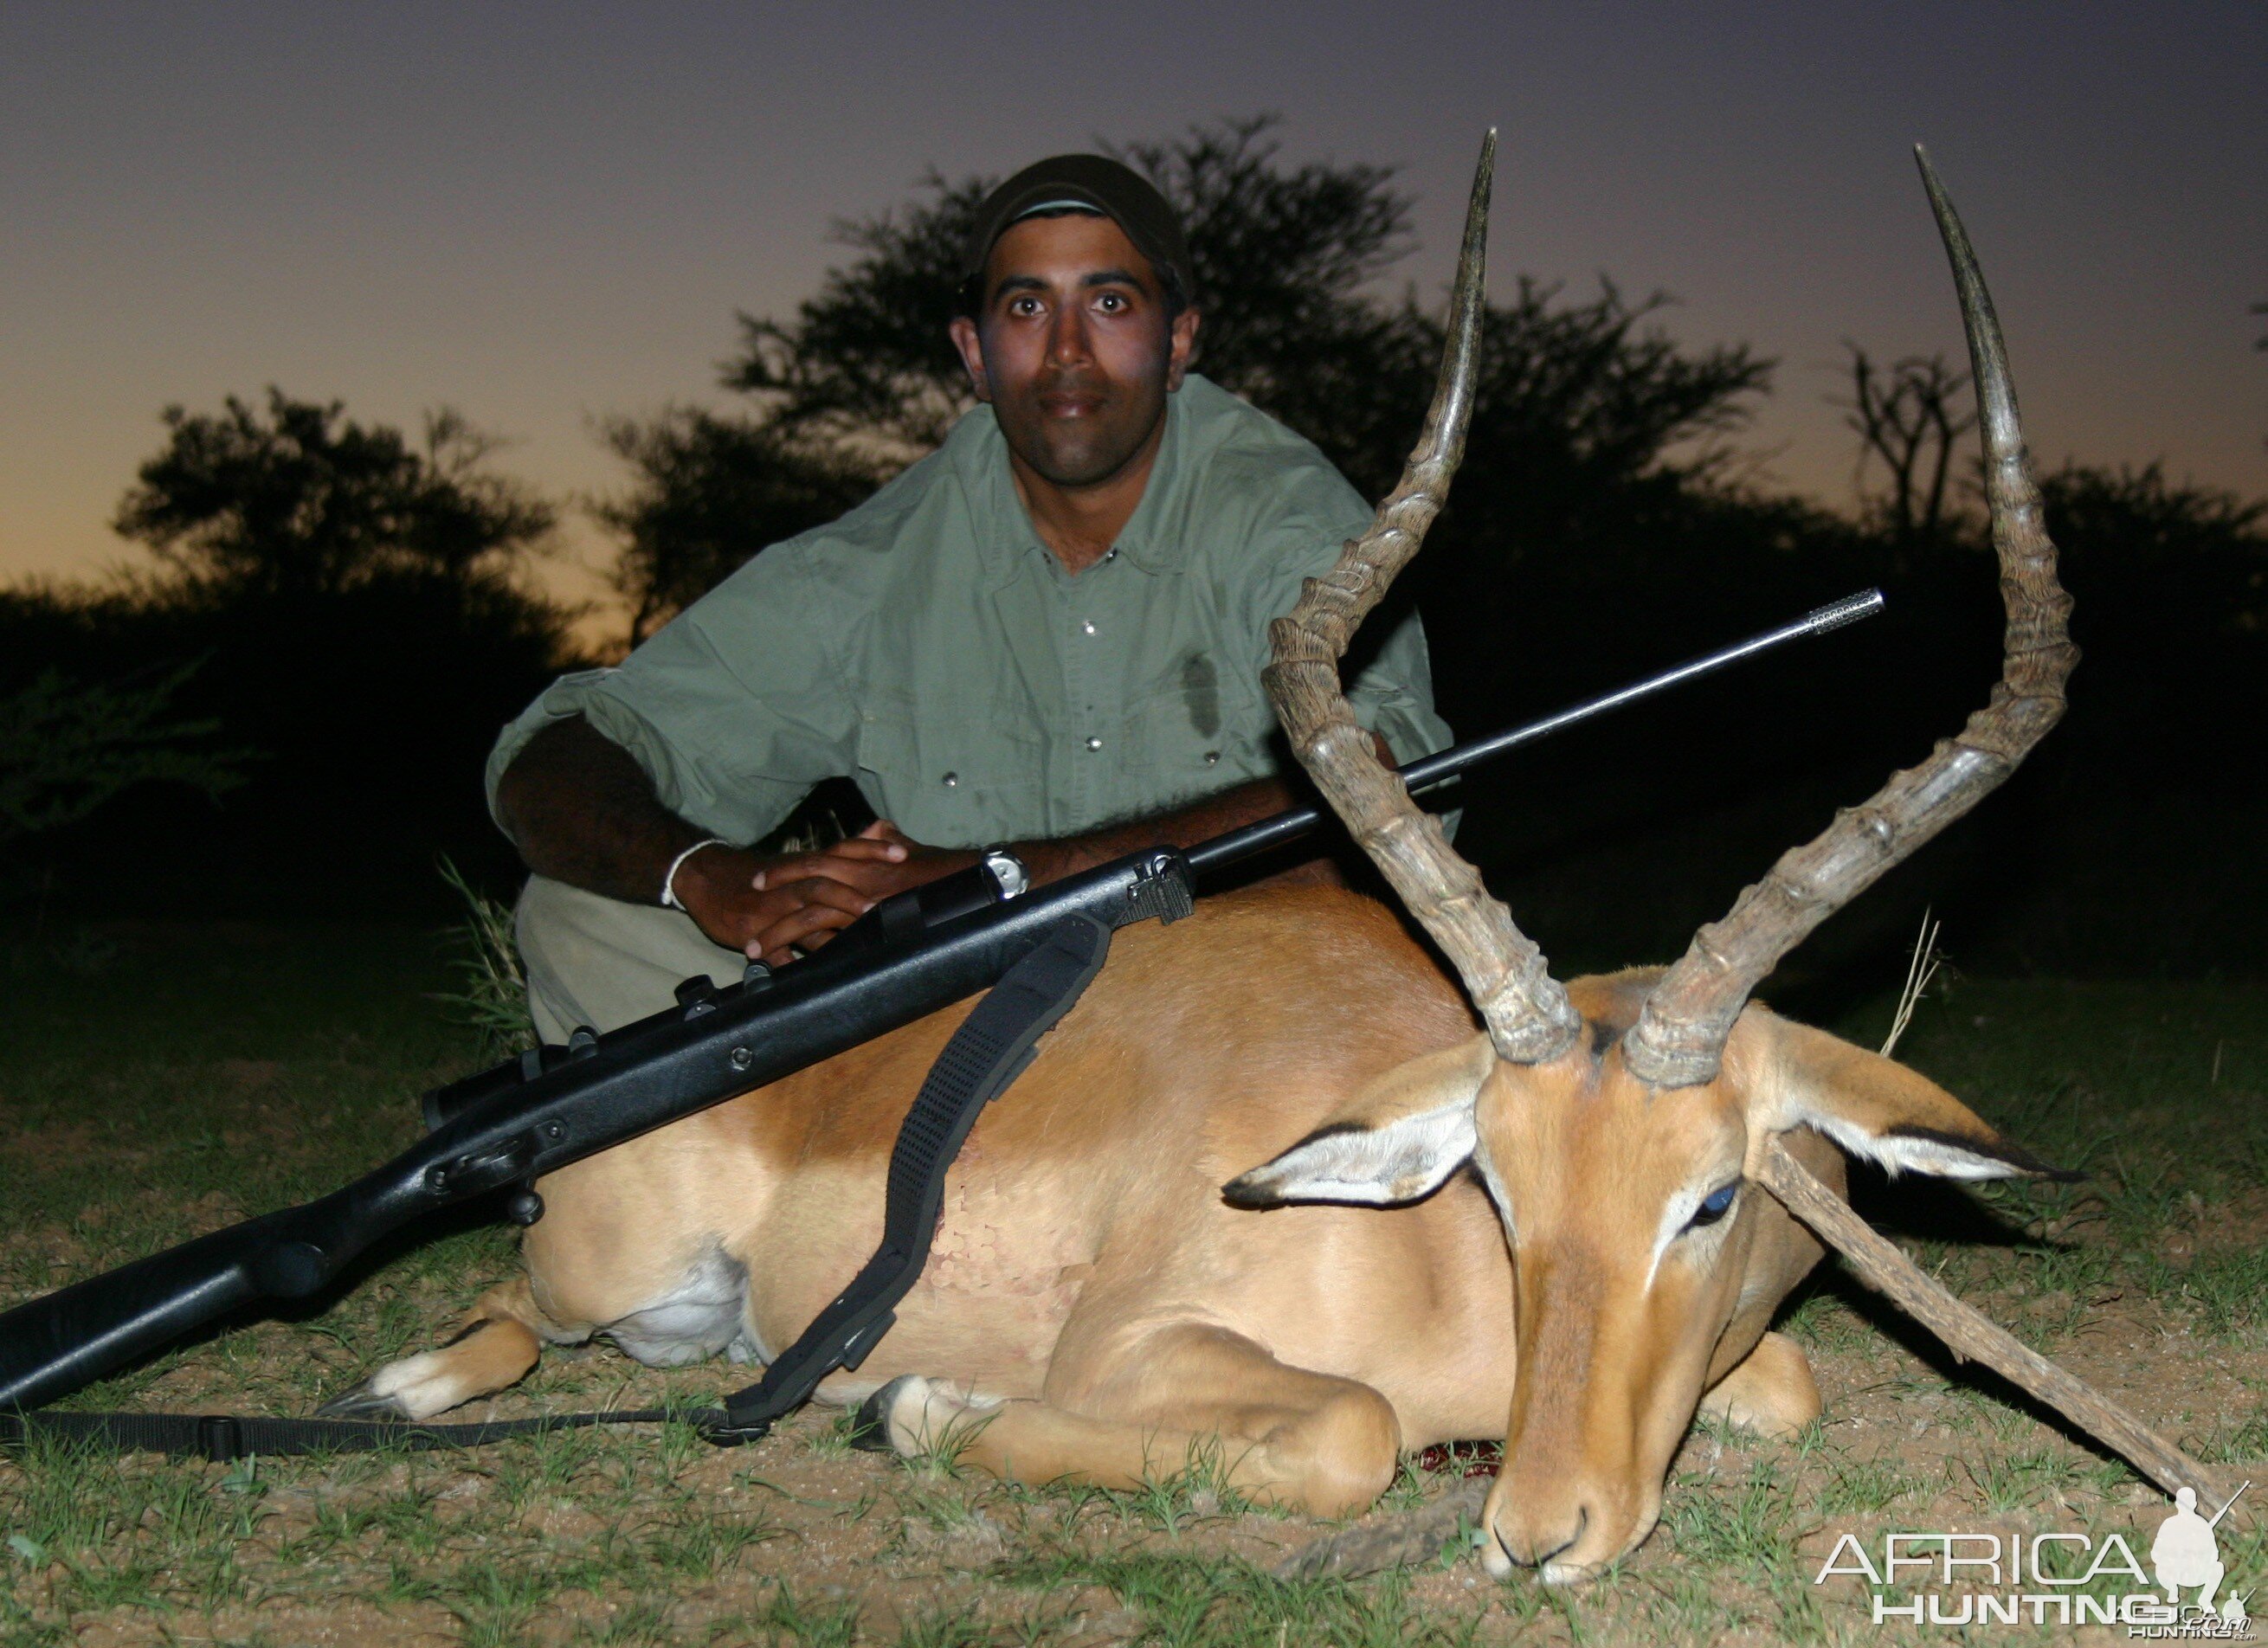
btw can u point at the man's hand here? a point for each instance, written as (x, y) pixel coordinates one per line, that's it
(922, 864)
(761, 906)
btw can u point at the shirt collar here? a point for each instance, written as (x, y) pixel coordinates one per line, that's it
(1005, 535)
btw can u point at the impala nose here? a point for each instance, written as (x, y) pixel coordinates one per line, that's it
(1517, 1540)
(1582, 1521)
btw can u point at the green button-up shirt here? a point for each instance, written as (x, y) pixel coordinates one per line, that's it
(929, 647)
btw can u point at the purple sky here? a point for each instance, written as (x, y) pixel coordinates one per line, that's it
(541, 216)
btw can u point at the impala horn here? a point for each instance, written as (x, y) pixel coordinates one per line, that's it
(1679, 1038)
(1530, 1019)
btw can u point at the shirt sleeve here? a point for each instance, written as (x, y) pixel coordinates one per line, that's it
(1394, 696)
(734, 709)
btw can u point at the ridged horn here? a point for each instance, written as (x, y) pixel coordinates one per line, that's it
(1528, 1014)
(1679, 1038)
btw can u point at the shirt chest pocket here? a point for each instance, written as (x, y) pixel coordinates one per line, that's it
(1195, 730)
(952, 777)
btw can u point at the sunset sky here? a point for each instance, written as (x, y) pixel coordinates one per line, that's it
(541, 214)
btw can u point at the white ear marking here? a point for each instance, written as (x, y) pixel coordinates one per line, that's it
(1398, 1140)
(1935, 1157)
(1880, 1111)
(1373, 1166)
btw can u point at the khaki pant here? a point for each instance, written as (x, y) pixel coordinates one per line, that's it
(600, 962)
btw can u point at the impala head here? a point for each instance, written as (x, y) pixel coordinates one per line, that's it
(1634, 1232)
(1617, 1125)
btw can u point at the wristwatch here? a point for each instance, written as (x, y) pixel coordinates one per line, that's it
(1008, 872)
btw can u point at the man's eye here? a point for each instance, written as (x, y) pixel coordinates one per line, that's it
(1111, 303)
(1714, 1206)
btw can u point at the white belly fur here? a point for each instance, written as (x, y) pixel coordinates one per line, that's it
(706, 1313)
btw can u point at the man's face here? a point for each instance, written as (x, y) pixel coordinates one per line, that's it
(1073, 348)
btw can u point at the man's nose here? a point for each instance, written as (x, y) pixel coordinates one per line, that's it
(1067, 337)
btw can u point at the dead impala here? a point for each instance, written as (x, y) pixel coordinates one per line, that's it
(1546, 1228)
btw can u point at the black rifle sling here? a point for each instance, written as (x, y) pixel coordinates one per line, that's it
(985, 1056)
(225, 1437)
(987, 1052)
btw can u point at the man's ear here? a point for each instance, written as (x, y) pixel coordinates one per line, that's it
(1182, 345)
(971, 345)
(1395, 1141)
(1873, 1106)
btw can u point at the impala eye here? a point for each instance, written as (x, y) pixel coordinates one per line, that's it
(1714, 1206)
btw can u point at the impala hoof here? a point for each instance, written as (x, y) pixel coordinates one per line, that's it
(870, 1427)
(916, 1417)
(363, 1402)
(419, 1387)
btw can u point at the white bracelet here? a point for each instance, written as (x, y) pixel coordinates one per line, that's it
(669, 882)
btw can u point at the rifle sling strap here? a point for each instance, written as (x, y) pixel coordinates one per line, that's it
(985, 1056)
(987, 1052)
(222, 1437)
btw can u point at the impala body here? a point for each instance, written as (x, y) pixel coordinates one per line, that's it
(1095, 1306)
(1280, 1191)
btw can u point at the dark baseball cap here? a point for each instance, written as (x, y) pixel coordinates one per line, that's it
(1094, 183)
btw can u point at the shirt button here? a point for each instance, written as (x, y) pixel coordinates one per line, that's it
(1212, 758)
(952, 779)
(1111, 554)
(1086, 626)
(1095, 743)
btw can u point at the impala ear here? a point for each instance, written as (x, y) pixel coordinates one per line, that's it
(1395, 1141)
(1874, 1107)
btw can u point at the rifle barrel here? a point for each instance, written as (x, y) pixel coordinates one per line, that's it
(1431, 771)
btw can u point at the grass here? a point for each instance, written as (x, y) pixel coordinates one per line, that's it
(1199, 1492)
(1192, 1599)
(1744, 1523)
(1867, 1488)
(172, 1080)
(490, 996)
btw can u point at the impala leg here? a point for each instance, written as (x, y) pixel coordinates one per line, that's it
(496, 1344)
(1176, 1398)
(1770, 1391)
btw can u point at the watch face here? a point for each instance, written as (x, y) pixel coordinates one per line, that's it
(1007, 873)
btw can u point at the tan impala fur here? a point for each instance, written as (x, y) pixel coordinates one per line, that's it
(1273, 1193)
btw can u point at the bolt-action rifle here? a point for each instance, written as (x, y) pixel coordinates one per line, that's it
(502, 1129)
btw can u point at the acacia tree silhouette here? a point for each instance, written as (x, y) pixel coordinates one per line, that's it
(708, 491)
(1905, 417)
(352, 603)
(302, 499)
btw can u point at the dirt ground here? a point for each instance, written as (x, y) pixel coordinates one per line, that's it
(657, 1536)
